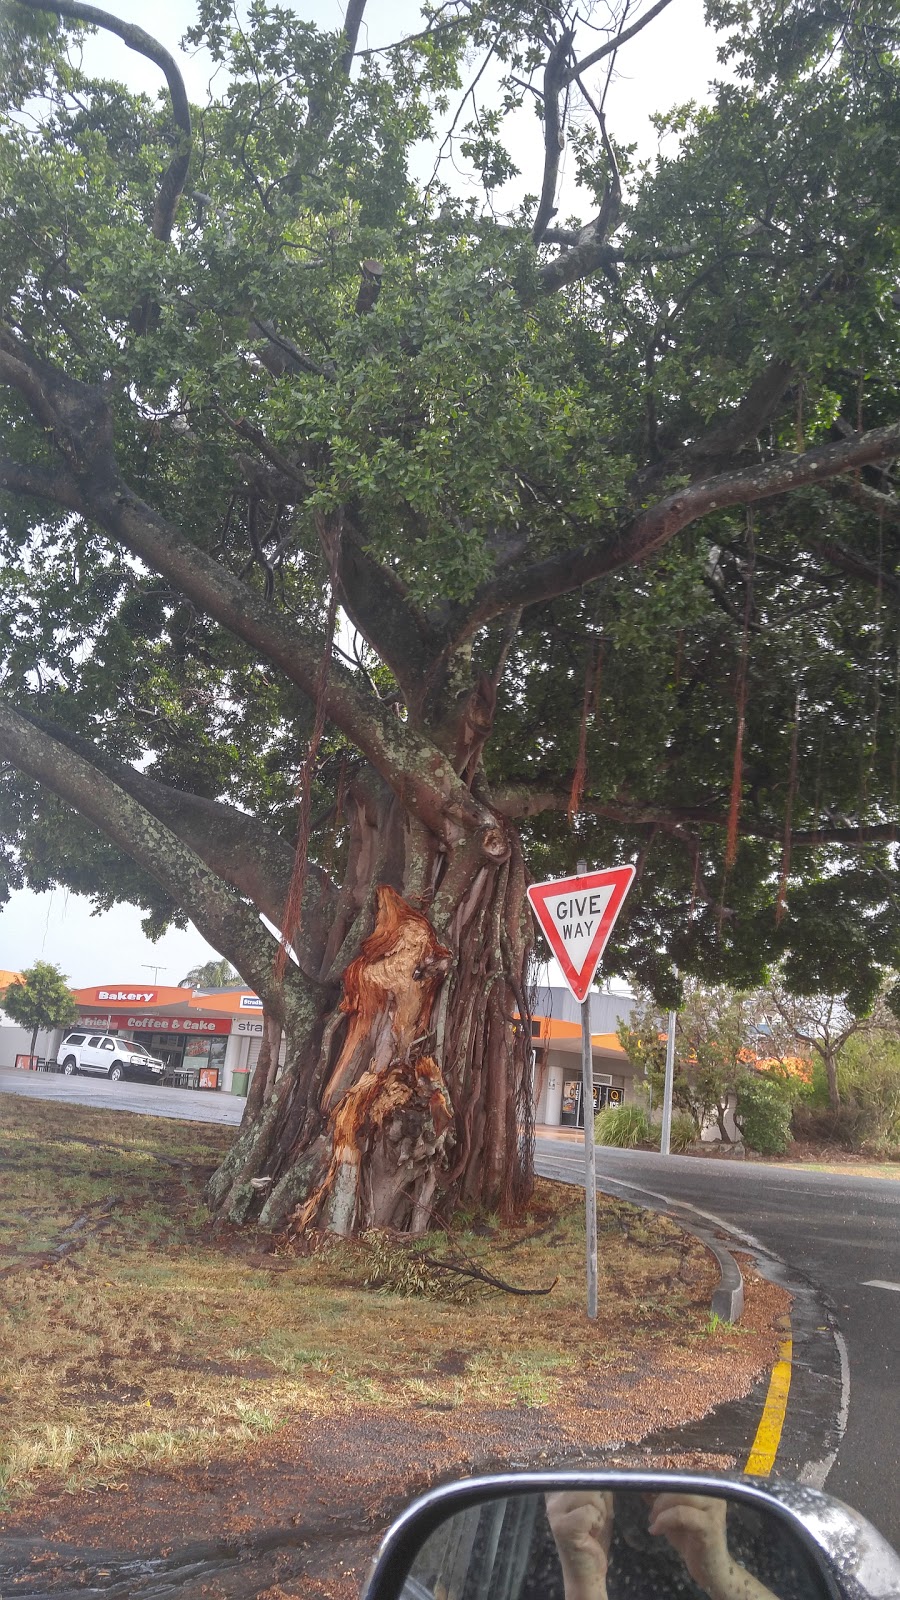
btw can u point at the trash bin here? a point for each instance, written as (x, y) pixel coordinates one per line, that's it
(240, 1081)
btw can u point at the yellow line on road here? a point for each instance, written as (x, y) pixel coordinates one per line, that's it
(764, 1449)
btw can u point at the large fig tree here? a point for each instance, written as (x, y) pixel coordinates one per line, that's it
(341, 506)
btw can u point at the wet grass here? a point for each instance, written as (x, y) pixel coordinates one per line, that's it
(155, 1342)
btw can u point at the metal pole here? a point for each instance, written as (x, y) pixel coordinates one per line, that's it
(666, 1132)
(590, 1167)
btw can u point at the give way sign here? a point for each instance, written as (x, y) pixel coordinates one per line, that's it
(577, 916)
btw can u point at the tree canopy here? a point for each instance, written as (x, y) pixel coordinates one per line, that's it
(40, 998)
(607, 502)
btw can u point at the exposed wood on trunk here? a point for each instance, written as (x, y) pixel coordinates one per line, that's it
(388, 1108)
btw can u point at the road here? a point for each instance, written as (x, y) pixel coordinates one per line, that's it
(840, 1232)
(146, 1099)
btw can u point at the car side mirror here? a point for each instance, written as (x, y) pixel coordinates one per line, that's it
(631, 1536)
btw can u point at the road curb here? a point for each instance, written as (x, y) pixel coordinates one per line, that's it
(727, 1302)
(728, 1296)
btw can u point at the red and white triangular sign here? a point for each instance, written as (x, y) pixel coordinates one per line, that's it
(577, 916)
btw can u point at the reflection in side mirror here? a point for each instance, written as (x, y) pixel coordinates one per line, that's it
(584, 1541)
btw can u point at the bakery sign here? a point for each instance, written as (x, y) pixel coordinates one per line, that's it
(180, 1024)
(157, 1024)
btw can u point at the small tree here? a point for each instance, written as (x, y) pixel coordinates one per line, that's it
(819, 1022)
(211, 975)
(40, 998)
(643, 1039)
(714, 1043)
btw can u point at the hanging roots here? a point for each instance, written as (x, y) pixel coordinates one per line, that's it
(330, 535)
(781, 902)
(737, 769)
(590, 701)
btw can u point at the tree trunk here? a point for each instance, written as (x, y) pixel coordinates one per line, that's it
(834, 1094)
(412, 1094)
(721, 1112)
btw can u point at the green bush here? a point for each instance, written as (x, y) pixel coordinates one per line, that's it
(625, 1127)
(868, 1073)
(763, 1113)
(683, 1132)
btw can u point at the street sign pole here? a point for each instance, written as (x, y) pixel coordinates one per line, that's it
(666, 1131)
(590, 1161)
(576, 916)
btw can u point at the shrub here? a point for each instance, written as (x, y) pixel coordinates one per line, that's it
(624, 1126)
(763, 1113)
(869, 1085)
(683, 1132)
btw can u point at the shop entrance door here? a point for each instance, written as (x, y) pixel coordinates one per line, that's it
(572, 1112)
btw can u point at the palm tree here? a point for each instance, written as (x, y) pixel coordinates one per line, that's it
(212, 975)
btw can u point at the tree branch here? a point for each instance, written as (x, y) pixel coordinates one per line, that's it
(244, 852)
(652, 529)
(173, 179)
(77, 418)
(231, 927)
(18, 477)
(377, 605)
(352, 23)
(612, 45)
(730, 431)
(885, 507)
(837, 555)
(554, 138)
(520, 803)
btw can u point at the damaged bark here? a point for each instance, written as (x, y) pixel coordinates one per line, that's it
(414, 1094)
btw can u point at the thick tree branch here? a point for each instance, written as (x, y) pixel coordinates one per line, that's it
(352, 23)
(173, 179)
(375, 601)
(731, 430)
(650, 530)
(884, 507)
(837, 555)
(81, 427)
(222, 917)
(554, 138)
(523, 802)
(245, 853)
(17, 477)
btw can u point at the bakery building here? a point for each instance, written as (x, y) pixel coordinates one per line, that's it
(208, 1040)
(212, 1039)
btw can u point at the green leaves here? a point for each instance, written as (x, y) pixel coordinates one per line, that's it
(40, 999)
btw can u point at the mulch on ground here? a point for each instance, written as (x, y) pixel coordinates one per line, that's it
(293, 1409)
(301, 1512)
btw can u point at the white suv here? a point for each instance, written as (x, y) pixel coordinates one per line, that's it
(110, 1056)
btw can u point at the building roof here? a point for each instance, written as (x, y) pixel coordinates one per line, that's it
(556, 1014)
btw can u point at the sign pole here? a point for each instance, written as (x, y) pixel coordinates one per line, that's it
(666, 1131)
(590, 1164)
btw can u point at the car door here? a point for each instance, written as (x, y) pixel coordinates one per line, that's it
(106, 1055)
(91, 1059)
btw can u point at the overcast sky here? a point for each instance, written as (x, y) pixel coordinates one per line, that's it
(670, 63)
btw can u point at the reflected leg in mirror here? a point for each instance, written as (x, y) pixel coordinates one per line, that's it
(586, 1543)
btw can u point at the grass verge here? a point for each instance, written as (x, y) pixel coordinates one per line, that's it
(131, 1336)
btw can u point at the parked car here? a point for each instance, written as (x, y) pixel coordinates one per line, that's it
(109, 1056)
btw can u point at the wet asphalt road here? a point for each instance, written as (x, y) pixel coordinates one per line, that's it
(146, 1099)
(836, 1231)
